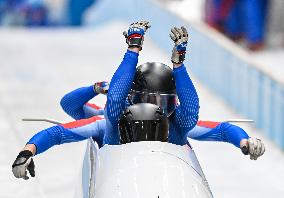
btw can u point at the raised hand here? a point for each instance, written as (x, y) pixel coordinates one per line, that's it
(24, 162)
(101, 87)
(180, 38)
(253, 147)
(135, 34)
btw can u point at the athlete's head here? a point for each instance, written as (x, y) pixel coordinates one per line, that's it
(143, 122)
(154, 83)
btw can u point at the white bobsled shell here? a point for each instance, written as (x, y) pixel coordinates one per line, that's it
(148, 169)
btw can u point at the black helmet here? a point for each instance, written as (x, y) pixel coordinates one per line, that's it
(154, 83)
(143, 122)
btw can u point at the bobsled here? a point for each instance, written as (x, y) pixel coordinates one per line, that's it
(146, 169)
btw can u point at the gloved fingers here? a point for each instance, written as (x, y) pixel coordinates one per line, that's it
(125, 34)
(262, 148)
(31, 168)
(185, 33)
(26, 177)
(17, 172)
(251, 145)
(141, 24)
(173, 37)
(258, 149)
(175, 32)
(145, 24)
(252, 148)
(20, 171)
(148, 26)
(255, 147)
(180, 32)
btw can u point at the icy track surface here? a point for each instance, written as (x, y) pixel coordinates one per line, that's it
(39, 66)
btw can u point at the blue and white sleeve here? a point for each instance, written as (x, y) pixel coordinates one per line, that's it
(218, 131)
(70, 132)
(186, 114)
(119, 88)
(76, 103)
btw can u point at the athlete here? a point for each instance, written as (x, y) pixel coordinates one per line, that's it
(96, 127)
(185, 115)
(147, 79)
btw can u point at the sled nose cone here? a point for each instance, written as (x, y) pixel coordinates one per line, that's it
(147, 169)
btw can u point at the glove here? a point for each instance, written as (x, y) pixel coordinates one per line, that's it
(253, 147)
(180, 37)
(23, 162)
(135, 35)
(101, 87)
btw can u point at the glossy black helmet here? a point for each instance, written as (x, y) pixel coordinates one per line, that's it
(154, 83)
(143, 122)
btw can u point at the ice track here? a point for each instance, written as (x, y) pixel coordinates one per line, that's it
(39, 66)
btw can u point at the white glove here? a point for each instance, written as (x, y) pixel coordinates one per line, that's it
(253, 147)
(180, 38)
(135, 34)
(24, 162)
(101, 87)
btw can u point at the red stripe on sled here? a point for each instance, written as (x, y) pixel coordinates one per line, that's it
(207, 124)
(94, 106)
(79, 123)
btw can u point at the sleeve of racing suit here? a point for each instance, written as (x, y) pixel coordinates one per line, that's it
(76, 103)
(218, 131)
(119, 88)
(70, 132)
(186, 114)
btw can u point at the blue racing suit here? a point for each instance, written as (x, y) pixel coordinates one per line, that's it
(90, 125)
(95, 127)
(181, 121)
(71, 132)
(76, 103)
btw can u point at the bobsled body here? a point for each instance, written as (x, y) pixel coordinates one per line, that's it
(147, 170)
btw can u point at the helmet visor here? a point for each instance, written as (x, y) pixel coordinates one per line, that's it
(167, 102)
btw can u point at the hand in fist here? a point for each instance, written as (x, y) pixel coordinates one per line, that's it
(24, 162)
(180, 38)
(253, 147)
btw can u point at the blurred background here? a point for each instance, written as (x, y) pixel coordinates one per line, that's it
(235, 58)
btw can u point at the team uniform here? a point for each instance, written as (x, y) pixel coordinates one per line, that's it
(95, 127)
(181, 121)
(163, 119)
(76, 105)
(89, 124)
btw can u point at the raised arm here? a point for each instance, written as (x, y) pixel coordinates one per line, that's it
(226, 132)
(122, 79)
(56, 135)
(186, 114)
(76, 103)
